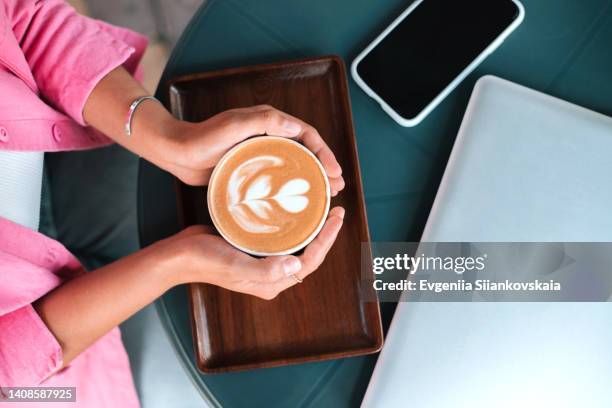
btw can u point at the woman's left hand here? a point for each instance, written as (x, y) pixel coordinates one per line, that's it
(199, 146)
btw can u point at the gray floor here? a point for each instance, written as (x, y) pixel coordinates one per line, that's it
(162, 21)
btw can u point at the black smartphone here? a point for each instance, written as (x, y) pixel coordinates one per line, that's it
(428, 50)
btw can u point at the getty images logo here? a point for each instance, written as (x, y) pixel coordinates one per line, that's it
(414, 264)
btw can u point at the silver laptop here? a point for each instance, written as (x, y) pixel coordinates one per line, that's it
(525, 167)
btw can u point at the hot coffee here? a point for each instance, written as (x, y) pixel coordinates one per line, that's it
(269, 196)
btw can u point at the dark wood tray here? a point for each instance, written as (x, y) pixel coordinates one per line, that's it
(326, 316)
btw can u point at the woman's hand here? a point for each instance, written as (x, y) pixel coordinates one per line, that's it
(199, 146)
(191, 150)
(85, 308)
(204, 257)
(73, 311)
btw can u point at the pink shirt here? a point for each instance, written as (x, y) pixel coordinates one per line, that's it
(51, 58)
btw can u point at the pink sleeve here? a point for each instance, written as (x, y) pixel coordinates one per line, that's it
(31, 265)
(29, 353)
(69, 53)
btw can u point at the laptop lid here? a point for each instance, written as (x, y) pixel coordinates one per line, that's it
(525, 167)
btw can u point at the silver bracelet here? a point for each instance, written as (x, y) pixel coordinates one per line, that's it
(130, 117)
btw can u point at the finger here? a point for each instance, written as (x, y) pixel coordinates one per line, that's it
(311, 258)
(254, 108)
(336, 184)
(271, 290)
(315, 143)
(265, 120)
(271, 269)
(309, 136)
(313, 255)
(315, 252)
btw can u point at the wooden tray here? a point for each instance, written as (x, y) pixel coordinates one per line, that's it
(326, 316)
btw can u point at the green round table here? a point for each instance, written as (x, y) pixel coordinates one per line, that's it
(562, 48)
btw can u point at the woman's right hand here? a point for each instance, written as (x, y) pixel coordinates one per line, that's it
(202, 256)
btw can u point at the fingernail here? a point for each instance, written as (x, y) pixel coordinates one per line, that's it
(292, 127)
(341, 212)
(292, 266)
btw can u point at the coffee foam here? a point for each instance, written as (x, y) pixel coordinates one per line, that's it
(269, 195)
(257, 198)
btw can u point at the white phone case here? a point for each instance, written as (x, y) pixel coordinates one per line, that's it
(409, 122)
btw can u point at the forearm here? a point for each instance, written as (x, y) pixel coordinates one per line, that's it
(191, 150)
(107, 107)
(87, 307)
(84, 309)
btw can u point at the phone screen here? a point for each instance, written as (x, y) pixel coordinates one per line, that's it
(430, 47)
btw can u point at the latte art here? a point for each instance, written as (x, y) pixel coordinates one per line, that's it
(269, 195)
(257, 197)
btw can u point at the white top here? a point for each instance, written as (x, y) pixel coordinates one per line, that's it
(20, 187)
